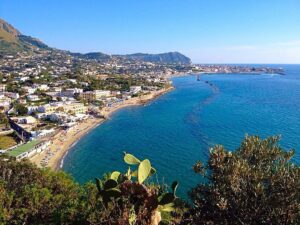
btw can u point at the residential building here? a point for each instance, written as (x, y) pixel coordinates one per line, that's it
(135, 89)
(68, 107)
(95, 95)
(29, 90)
(33, 98)
(70, 92)
(12, 95)
(29, 149)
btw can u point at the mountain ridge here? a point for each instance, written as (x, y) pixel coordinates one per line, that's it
(174, 57)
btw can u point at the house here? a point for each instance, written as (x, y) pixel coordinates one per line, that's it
(24, 120)
(68, 107)
(22, 79)
(32, 109)
(12, 95)
(29, 90)
(95, 95)
(4, 101)
(70, 92)
(33, 98)
(135, 89)
(22, 101)
(2, 87)
(74, 81)
(42, 133)
(43, 87)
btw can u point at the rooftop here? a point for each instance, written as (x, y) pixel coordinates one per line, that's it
(23, 148)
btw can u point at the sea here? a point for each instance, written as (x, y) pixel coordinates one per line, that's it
(178, 129)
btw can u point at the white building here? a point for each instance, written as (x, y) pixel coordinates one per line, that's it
(29, 90)
(4, 101)
(24, 120)
(2, 87)
(70, 92)
(32, 109)
(12, 95)
(67, 107)
(102, 93)
(43, 87)
(135, 89)
(33, 98)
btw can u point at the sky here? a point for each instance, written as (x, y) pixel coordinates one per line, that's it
(207, 31)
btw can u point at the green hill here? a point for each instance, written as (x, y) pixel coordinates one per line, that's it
(11, 40)
(169, 57)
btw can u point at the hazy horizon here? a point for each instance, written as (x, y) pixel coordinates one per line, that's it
(231, 32)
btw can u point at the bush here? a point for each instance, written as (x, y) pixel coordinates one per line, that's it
(21, 109)
(29, 195)
(7, 142)
(256, 184)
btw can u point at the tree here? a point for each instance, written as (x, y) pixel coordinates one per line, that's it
(4, 120)
(256, 184)
(21, 109)
(29, 195)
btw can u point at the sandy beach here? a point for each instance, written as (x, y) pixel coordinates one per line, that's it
(64, 140)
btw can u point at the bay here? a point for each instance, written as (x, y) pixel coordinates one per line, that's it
(178, 128)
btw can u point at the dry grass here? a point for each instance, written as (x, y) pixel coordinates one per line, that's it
(7, 142)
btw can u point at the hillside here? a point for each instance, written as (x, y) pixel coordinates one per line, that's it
(11, 40)
(169, 57)
(92, 55)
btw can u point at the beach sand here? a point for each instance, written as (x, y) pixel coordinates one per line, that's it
(64, 140)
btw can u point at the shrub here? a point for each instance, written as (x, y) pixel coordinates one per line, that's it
(256, 184)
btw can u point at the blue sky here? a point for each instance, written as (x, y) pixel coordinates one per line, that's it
(208, 31)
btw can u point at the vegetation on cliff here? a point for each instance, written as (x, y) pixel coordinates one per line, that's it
(256, 184)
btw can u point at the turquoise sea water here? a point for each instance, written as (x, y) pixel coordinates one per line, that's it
(177, 129)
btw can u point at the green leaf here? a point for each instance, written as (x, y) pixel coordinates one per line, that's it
(115, 175)
(144, 170)
(166, 198)
(166, 208)
(110, 183)
(131, 159)
(134, 173)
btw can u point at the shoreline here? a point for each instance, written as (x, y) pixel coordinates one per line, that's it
(63, 141)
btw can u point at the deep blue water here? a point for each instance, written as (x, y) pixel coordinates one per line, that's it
(178, 128)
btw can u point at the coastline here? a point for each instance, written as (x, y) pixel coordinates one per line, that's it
(63, 141)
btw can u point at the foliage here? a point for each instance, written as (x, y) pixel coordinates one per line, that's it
(7, 142)
(127, 198)
(21, 109)
(256, 184)
(29, 195)
(4, 120)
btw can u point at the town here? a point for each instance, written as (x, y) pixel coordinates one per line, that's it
(51, 91)
(47, 93)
